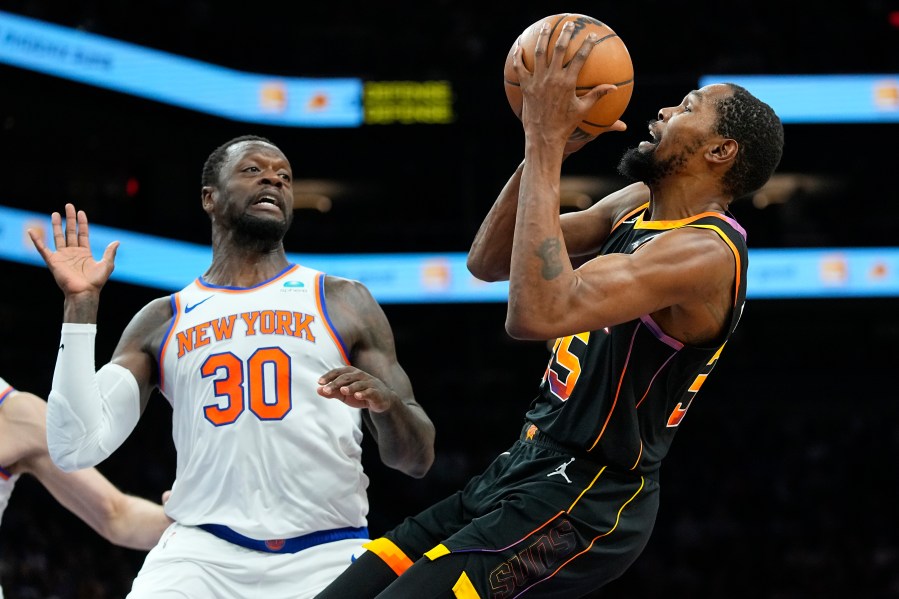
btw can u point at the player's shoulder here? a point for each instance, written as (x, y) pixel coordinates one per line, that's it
(342, 288)
(155, 314)
(159, 309)
(350, 300)
(23, 417)
(624, 202)
(24, 405)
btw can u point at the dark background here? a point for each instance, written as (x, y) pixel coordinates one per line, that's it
(782, 483)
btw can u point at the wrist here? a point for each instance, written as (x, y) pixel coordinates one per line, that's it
(81, 308)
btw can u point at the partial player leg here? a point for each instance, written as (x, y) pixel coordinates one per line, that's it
(364, 578)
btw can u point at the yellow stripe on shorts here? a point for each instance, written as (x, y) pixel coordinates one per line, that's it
(463, 589)
(438, 551)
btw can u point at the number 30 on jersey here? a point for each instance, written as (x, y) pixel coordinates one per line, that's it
(242, 384)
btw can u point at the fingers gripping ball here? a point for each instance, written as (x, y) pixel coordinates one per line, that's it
(609, 62)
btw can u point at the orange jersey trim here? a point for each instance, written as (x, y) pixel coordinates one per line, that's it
(6, 393)
(176, 308)
(326, 320)
(392, 555)
(733, 249)
(673, 224)
(628, 215)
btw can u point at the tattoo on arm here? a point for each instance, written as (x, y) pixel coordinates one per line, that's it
(552, 262)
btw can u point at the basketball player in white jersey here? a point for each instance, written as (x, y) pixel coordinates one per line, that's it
(122, 519)
(270, 368)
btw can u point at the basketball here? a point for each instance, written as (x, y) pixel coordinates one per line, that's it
(608, 62)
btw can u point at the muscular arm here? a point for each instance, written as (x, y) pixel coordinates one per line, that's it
(490, 256)
(684, 277)
(122, 519)
(376, 382)
(140, 342)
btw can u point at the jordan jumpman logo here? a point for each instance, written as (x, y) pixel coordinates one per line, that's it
(561, 471)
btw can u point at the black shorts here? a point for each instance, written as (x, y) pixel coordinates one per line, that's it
(537, 520)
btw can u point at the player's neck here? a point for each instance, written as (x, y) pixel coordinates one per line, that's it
(237, 267)
(678, 202)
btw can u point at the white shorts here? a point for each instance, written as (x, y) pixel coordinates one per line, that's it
(189, 563)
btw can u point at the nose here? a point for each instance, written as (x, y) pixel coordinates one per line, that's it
(270, 177)
(663, 113)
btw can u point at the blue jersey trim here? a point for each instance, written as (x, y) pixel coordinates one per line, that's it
(292, 545)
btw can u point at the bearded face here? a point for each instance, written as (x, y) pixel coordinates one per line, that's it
(643, 164)
(254, 230)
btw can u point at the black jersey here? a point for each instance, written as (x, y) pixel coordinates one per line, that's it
(618, 394)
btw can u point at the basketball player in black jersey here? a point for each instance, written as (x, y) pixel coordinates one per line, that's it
(639, 325)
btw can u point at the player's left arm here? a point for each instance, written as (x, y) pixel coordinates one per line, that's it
(375, 381)
(684, 278)
(122, 519)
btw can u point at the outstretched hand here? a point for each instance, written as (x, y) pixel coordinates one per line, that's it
(356, 388)
(72, 264)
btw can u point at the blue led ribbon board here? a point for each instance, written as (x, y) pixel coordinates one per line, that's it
(418, 278)
(131, 69)
(811, 99)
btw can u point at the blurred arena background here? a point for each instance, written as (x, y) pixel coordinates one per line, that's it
(781, 481)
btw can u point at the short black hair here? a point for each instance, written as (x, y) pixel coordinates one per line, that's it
(758, 130)
(213, 164)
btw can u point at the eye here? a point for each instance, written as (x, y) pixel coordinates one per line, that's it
(251, 169)
(285, 176)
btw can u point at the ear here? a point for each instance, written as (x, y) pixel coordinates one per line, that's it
(208, 200)
(723, 152)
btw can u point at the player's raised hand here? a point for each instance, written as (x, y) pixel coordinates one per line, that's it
(356, 388)
(551, 107)
(72, 264)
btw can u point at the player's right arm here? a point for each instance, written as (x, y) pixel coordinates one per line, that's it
(375, 382)
(490, 256)
(122, 519)
(90, 413)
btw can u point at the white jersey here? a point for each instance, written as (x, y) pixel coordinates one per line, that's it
(7, 478)
(258, 450)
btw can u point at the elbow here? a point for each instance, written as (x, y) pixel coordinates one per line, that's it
(482, 270)
(65, 459)
(525, 329)
(419, 467)
(414, 462)
(420, 462)
(70, 453)
(479, 273)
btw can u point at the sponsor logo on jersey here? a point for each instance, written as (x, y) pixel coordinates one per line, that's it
(293, 287)
(189, 308)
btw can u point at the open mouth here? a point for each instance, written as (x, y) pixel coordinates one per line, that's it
(267, 202)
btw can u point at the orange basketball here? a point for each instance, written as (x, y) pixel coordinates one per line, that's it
(609, 62)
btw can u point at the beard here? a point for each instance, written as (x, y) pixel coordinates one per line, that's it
(636, 165)
(262, 233)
